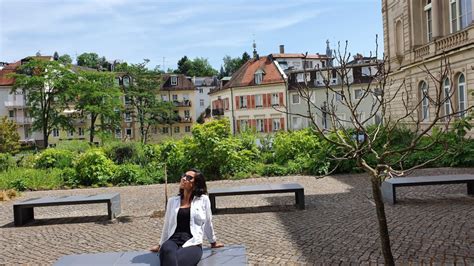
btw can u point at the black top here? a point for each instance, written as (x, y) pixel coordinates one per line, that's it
(183, 230)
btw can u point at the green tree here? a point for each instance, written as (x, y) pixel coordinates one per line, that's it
(91, 60)
(198, 67)
(231, 65)
(9, 136)
(47, 86)
(65, 59)
(98, 96)
(142, 92)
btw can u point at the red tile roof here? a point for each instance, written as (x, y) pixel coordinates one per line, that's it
(245, 76)
(309, 56)
(9, 69)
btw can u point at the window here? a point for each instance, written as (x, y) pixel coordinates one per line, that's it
(127, 100)
(118, 133)
(258, 78)
(55, 132)
(295, 98)
(128, 117)
(70, 133)
(424, 101)
(128, 132)
(176, 129)
(323, 63)
(276, 124)
(165, 130)
(341, 120)
(308, 64)
(260, 126)
(126, 81)
(258, 100)
(175, 97)
(201, 90)
(187, 129)
(358, 93)
(81, 131)
(11, 113)
(275, 99)
(201, 102)
(324, 119)
(243, 101)
(185, 97)
(164, 97)
(462, 95)
(174, 80)
(339, 96)
(187, 114)
(460, 14)
(429, 21)
(447, 97)
(117, 81)
(244, 125)
(297, 122)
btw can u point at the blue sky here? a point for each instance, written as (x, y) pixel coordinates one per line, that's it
(132, 30)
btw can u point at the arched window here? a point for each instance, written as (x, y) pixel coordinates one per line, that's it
(425, 102)
(399, 38)
(447, 97)
(126, 81)
(462, 95)
(117, 81)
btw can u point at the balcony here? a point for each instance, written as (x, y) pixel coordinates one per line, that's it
(218, 111)
(184, 103)
(15, 104)
(185, 119)
(444, 44)
(22, 120)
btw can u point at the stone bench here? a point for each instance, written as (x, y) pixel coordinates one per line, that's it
(231, 255)
(259, 189)
(23, 211)
(389, 186)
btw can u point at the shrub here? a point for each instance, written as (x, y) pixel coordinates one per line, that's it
(69, 177)
(273, 170)
(94, 168)
(6, 161)
(31, 179)
(76, 146)
(54, 158)
(126, 152)
(26, 161)
(127, 174)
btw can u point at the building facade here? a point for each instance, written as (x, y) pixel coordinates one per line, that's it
(255, 97)
(418, 36)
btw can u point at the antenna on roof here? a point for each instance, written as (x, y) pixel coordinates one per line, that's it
(254, 45)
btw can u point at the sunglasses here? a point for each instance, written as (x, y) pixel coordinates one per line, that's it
(187, 177)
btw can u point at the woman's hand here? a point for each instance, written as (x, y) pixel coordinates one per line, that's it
(216, 245)
(155, 248)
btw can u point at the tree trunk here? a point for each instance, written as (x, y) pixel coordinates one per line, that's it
(382, 219)
(45, 136)
(92, 133)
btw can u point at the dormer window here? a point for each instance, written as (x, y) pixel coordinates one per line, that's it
(174, 80)
(126, 81)
(259, 76)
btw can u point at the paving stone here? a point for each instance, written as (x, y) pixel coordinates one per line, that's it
(429, 225)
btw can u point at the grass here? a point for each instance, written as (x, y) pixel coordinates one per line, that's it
(22, 179)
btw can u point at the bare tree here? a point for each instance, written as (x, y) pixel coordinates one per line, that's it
(392, 104)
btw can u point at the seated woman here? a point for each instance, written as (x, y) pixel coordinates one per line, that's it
(188, 218)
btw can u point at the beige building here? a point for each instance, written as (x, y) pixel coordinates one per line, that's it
(255, 97)
(417, 33)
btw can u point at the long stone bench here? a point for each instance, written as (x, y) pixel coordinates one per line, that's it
(259, 189)
(389, 186)
(23, 211)
(231, 255)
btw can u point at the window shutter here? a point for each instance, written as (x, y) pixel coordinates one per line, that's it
(237, 123)
(265, 125)
(264, 99)
(249, 105)
(236, 102)
(280, 96)
(282, 123)
(252, 99)
(269, 99)
(270, 126)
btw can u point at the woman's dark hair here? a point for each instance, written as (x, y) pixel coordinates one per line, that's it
(200, 187)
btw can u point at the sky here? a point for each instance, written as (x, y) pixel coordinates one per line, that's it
(163, 31)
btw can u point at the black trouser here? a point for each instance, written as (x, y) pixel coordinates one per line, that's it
(171, 254)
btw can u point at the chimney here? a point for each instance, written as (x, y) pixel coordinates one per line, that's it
(282, 49)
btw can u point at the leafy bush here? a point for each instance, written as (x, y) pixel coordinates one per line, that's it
(6, 161)
(126, 174)
(76, 146)
(272, 170)
(69, 177)
(26, 161)
(54, 158)
(126, 152)
(174, 154)
(94, 168)
(31, 179)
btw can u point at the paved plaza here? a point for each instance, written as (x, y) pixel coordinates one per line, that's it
(430, 224)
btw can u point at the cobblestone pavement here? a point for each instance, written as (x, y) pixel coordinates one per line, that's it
(429, 225)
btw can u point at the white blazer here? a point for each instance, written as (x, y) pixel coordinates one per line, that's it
(200, 222)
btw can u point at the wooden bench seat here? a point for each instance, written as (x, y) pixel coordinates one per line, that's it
(23, 211)
(259, 189)
(229, 255)
(389, 186)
